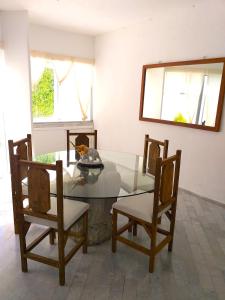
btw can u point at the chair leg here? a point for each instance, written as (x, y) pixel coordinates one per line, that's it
(130, 228)
(85, 231)
(52, 236)
(68, 157)
(114, 231)
(172, 226)
(152, 255)
(16, 224)
(152, 263)
(135, 229)
(61, 258)
(62, 275)
(22, 238)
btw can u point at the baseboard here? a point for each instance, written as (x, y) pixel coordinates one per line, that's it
(204, 198)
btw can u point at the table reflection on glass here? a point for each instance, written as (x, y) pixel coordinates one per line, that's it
(120, 177)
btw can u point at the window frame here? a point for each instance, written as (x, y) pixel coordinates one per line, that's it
(60, 123)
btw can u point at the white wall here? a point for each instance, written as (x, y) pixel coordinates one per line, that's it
(16, 99)
(61, 42)
(19, 37)
(0, 29)
(53, 138)
(180, 34)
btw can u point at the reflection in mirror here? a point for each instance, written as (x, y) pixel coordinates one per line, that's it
(183, 94)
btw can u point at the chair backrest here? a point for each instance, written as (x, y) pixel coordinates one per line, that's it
(23, 148)
(80, 138)
(152, 150)
(38, 189)
(166, 184)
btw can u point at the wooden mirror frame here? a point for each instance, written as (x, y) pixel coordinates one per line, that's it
(180, 63)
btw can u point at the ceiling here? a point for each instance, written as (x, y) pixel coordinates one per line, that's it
(92, 17)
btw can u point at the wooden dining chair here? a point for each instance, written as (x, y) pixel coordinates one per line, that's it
(147, 209)
(56, 213)
(23, 148)
(152, 150)
(88, 139)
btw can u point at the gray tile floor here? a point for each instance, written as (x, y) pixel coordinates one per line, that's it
(194, 270)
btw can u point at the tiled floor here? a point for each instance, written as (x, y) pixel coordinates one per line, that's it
(195, 270)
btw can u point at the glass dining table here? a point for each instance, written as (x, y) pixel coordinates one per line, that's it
(120, 176)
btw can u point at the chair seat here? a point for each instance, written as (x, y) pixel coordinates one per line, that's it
(140, 206)
(73, 210)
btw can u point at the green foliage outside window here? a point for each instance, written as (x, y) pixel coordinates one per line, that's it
(43, 95)
(46, 158)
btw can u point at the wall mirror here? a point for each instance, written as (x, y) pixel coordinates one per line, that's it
(186, 93)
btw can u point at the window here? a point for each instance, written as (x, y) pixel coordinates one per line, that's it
(61, 90)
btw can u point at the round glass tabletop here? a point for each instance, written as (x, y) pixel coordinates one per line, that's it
(121, 176)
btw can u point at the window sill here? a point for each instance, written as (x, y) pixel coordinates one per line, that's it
(83, 125)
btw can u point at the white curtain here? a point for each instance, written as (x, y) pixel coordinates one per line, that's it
(62, 69)
(74, 90)
(84, 83)
(3, 148)
(72, 86)
(38, 64)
